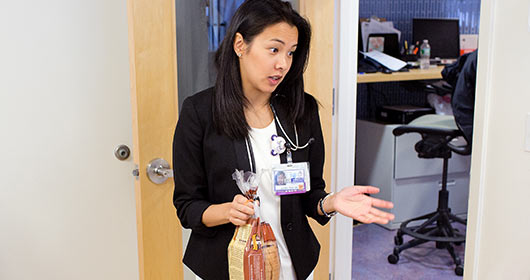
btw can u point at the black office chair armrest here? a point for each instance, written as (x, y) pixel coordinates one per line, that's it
(400, 130)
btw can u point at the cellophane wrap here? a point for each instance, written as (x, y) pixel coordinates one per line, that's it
(252, 252)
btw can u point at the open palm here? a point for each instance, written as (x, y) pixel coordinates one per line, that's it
(352, 202)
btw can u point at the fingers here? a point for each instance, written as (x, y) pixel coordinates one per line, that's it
(370, 218)
(239, 199)
(375, 216)
(381, 214)
(242, 204)
(364, 189)
(382, 203)
(368, 189)
(241, 209)
(238, 222)
(238, 214)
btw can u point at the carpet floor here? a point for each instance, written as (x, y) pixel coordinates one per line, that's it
(372, 244)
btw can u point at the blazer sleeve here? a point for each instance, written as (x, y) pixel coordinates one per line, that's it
(316, 167)
(190, 196)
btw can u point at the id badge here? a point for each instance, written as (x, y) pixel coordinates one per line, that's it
(291, 178)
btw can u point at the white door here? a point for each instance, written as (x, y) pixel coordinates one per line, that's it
(67, 205)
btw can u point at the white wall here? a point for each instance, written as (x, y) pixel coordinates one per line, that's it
(498, 244)
(67, 205)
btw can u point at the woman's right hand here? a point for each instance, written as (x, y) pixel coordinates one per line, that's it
(241, 209)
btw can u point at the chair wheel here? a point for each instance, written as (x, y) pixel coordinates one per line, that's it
(398, 240)
(393, 259)
(459, 270)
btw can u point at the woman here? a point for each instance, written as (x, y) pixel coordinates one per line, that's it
(259, 93)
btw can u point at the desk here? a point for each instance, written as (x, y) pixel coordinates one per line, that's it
(414, 74)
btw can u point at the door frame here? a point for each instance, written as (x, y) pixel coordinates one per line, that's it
(345, 80)
(153, 70)
(479, 154)
(345, 104)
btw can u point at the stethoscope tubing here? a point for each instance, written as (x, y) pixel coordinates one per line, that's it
(293, 146)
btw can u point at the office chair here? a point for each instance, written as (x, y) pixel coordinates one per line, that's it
(437, 133)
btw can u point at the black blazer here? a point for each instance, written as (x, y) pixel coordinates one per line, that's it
(203, 163)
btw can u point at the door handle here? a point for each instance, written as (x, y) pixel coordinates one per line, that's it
(158, 171)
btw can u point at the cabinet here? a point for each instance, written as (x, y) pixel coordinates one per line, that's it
(411, 183)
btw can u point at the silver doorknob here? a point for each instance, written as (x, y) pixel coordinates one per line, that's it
(158, 170)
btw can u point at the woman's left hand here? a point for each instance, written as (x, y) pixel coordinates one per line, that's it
(352, 202)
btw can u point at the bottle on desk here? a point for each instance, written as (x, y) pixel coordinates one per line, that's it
(425, 54)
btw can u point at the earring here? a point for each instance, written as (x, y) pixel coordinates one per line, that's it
(239, 54)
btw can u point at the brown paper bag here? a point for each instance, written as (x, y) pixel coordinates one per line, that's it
(254, 264)
(270, 252)
(236, 252)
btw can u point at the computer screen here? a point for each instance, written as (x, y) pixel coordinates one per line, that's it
(391, 43)
(443, 36)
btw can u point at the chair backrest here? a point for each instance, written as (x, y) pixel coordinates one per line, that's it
(462, 76)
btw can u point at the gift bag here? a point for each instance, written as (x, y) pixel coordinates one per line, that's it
(252, 252)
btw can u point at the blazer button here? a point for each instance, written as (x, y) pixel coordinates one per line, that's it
(290, 226)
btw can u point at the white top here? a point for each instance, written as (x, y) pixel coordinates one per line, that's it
(260, 139)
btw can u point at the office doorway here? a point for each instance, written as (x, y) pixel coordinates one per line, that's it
(374, 139)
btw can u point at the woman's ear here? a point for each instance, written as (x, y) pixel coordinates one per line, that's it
(239, 44)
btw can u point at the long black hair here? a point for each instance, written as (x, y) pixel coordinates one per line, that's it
(250, 19)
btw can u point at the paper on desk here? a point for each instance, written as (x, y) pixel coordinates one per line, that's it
(373, 27)
(389, 62)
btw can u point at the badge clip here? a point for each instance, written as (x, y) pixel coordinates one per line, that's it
(289, 154)
(277, 145)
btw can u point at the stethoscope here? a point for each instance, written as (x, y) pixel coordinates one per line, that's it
(278, 143)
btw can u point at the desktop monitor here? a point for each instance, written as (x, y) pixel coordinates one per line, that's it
(390, 43)
(443, 36)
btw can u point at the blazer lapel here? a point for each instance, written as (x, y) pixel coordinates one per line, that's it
(243, 160)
